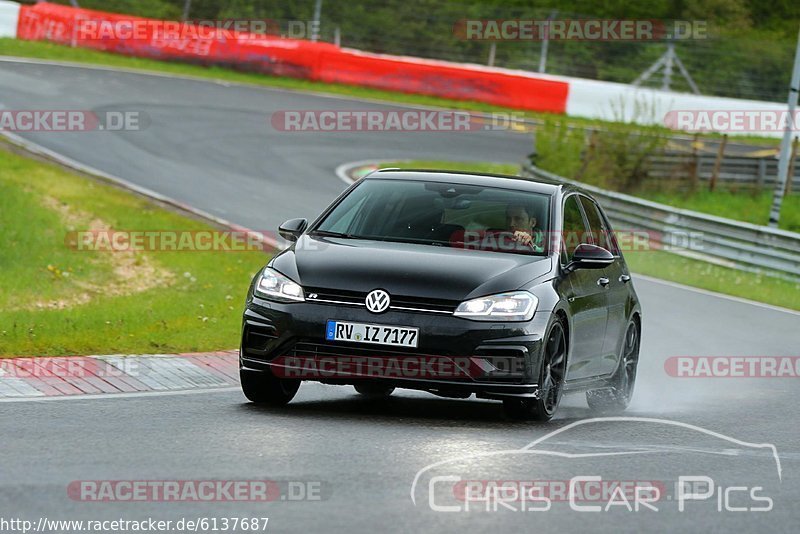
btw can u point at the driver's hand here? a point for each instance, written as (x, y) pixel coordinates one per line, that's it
(523, 238)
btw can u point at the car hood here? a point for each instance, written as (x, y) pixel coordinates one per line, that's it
(406, 269)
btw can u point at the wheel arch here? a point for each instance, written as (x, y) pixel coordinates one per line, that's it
(563, 317)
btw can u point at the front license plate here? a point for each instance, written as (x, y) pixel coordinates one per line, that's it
(378, 334)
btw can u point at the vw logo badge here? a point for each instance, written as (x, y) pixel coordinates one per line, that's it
(377, 301)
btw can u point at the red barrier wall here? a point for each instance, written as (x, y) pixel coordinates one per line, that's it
(291, 57)
(450, 80)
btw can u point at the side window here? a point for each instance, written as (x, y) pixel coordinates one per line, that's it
(600, 232)
(574, 229)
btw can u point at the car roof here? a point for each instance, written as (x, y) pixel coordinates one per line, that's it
(533, 185)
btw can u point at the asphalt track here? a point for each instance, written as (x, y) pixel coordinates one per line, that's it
(212, 146)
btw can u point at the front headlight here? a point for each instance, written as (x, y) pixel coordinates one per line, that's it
(514, 306)
(272, 285)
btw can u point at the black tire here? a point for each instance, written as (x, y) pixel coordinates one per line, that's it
(617, 396)
(551, 380)
(263, 387)
(373, 390)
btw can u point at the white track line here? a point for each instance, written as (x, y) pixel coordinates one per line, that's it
(93, 396)
(343, 170)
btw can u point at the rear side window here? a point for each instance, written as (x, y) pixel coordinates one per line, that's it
(601, 234)
(574, 228)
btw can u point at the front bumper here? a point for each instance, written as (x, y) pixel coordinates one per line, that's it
(455, 357)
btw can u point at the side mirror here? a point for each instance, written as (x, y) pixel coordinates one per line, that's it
(588, 256)
(291, 229)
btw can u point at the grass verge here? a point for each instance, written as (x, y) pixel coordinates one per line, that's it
(55, 300)
(662, 264)
(740, 206)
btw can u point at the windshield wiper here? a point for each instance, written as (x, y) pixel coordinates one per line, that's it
(327, 233)
(386, 239)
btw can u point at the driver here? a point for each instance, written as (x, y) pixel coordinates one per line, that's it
(520, 221)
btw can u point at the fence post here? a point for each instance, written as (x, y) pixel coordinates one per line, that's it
(790, 174)
(588, 154)
(720, 154)
(187, 6)
(762, 174)
(695, 165)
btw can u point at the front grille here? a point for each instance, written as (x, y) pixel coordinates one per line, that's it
(398, 302)
(311, 349)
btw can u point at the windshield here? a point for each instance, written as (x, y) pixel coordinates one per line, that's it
(442, 214)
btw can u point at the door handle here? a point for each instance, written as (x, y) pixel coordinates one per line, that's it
(624, 278)
(603, 281)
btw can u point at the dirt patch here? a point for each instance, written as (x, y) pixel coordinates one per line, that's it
(133, 272)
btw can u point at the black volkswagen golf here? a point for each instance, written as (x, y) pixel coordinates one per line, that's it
(452, 283)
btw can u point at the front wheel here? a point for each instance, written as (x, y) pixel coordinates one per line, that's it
(551, 381)
(263, 387)
(617, 396)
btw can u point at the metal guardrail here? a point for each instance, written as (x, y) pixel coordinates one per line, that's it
(717, 240)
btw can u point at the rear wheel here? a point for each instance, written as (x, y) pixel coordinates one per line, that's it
(374, 390)
(617, 396)
(263, 387)
(551, 381)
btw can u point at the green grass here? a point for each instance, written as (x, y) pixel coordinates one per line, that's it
(704, 275)
(740, 206)
(196, 306)
(665, 265)
(58, 52)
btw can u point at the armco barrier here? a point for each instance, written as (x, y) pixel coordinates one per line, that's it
(736, 244)
(301, 59)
